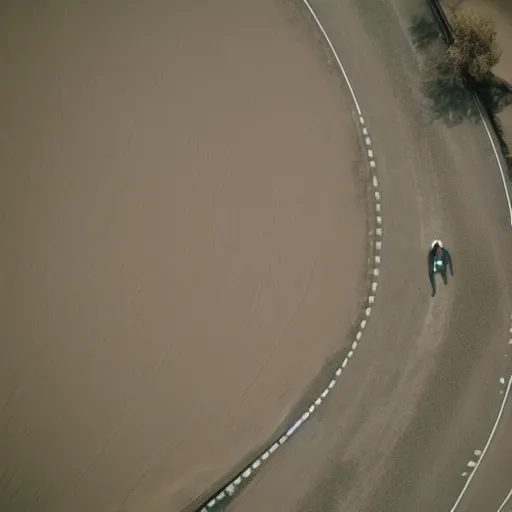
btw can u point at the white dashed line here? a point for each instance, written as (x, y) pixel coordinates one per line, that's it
(249, 471)
(484, 451)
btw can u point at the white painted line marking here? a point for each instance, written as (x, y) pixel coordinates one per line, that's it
(273, 448)
(502, 506)
(337, 59)
(231, 488)
(345, 362)
(502, 171)
(294, 427)
(491, 436)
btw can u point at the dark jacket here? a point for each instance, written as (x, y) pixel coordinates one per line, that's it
(439, 260)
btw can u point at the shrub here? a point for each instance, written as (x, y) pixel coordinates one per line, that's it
(474, 51)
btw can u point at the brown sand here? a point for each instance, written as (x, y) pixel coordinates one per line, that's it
(182, 242)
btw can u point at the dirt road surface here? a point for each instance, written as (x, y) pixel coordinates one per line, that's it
(423, 391)
(182, 243)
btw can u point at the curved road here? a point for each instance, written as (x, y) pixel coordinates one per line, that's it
(422, 393)
(489, 486)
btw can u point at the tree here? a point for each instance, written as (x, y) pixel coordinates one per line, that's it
(474, 51)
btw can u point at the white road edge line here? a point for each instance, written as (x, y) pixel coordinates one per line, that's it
(502, 506)
(484, 451)
(496, 154)
(234, 484)
(340, 65)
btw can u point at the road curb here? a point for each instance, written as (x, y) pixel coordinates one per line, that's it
(232, 485)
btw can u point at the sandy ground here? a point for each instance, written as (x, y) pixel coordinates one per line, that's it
(182, 243)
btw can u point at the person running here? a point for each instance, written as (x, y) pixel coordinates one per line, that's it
(439, 259)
